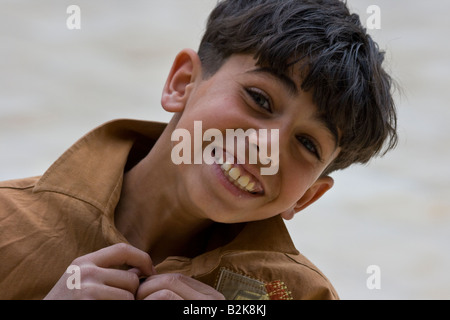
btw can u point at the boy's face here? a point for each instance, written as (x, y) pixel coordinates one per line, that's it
(241, 95)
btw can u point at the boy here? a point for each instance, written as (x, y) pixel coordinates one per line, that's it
(127, 220)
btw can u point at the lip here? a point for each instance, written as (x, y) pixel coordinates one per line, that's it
(250, 171)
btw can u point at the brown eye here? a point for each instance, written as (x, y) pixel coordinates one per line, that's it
(260, 99)
(310, 145)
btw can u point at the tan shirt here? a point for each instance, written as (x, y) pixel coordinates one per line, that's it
(46, 222)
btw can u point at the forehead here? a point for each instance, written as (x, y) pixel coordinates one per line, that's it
(245, 64)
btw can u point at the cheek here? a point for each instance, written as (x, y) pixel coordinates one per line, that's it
(295, 183)
(216, 97)
(214, 111)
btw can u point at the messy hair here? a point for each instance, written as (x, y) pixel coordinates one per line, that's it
(338, 61)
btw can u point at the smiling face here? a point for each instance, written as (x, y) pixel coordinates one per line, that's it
(241, 95)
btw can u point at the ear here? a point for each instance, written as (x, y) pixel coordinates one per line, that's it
(185, 69)
(317, 190)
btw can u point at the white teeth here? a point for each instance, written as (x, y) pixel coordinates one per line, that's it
(250, 186)
(234, 173)
(243, 181)
(226, 167)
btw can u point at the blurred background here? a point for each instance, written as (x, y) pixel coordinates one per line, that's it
(56, 84)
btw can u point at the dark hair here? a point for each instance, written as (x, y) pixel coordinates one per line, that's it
(339, 61)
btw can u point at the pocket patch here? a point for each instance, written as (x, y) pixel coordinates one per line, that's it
(235, 286)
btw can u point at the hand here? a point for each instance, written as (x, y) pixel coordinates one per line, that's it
(101, 280)
(175, 286)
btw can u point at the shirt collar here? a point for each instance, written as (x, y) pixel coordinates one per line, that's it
(92, 171)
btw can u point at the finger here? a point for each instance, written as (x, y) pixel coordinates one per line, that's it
(94, 291)
(139, 273)
(122, 255)
(191, 283)
(181, 285)
(121, 279)
(196, 285)
(163, 295)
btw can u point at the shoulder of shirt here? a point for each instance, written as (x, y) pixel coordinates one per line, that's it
(305, 280)
(298, 275)
(303, 269)
(19, 184)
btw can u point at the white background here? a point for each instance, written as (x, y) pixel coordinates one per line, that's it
(56, 84)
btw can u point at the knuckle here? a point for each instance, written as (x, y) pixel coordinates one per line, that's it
(133, 279)
(176, 276)
(165, 294)
(79, 261)
(89, 271)
(122, 247)
(172, 279)
(89, 291)
(218, 296)
(147, 259)
(212, 294)
(127, 296)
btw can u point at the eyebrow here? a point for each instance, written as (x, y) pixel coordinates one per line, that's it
(330, 127)
(286, 81)
(293, 90)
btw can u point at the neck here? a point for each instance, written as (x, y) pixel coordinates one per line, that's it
(152, 215)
